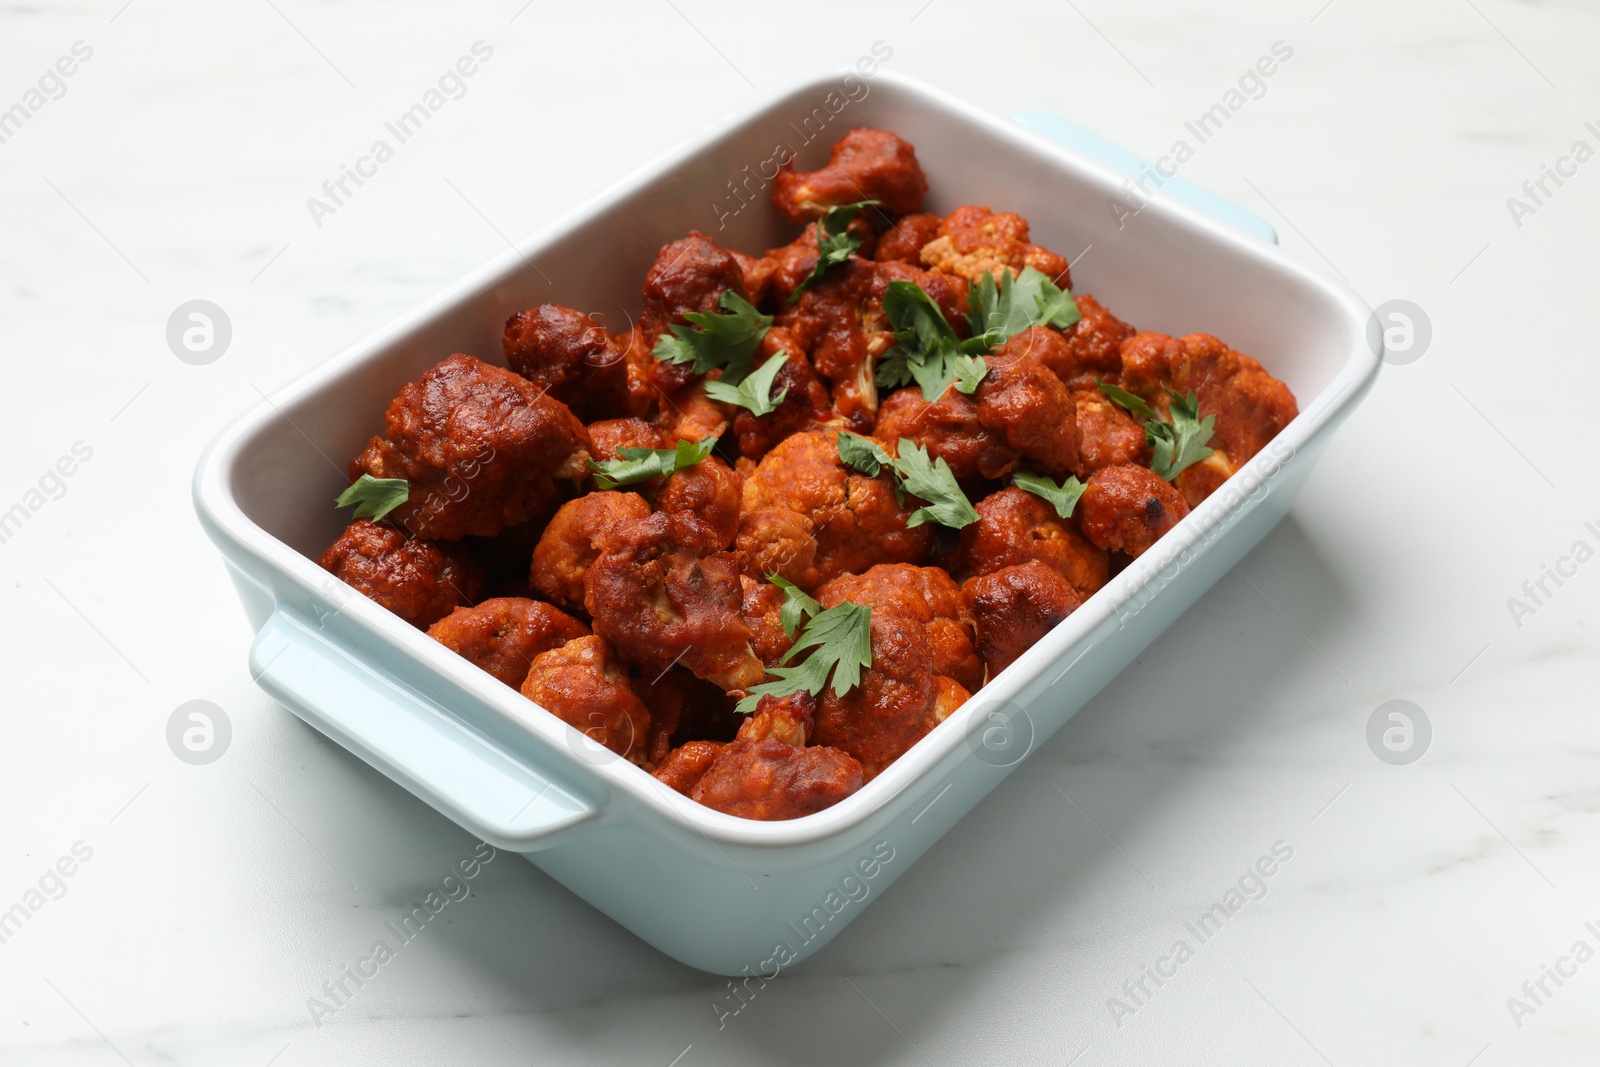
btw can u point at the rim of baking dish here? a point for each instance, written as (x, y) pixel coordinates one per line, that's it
(215, 499)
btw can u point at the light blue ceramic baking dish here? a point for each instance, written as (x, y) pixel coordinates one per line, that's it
(719, 893)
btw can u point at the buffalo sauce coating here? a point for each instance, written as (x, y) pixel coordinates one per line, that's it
(504, 634)
(481, 447)
(808, 518)
(419, 580)
(767, 771)
(1014, 607)
(642, 613)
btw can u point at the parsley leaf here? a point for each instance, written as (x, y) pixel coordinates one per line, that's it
(1176, 445)
(1126, 400)
(1064, 497)
(933, 481)
(835, 242)
(863, 455)
(915, 472)
(1020, 301)
(797, 606)
(643, 464)
(927, 350)
(374, 497)
(755, 391)
(727, 340)
(1180, 444)
(842, 639)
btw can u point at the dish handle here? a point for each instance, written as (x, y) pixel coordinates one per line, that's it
(441, 761)
(1092, 144)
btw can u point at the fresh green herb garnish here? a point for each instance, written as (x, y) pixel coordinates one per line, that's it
(1176, 445)
(1180, 444)
(797, 606)
(933, 481)
(860, 454)
(1063, 497)
(914, 472)
(1126, 400)
(1020, 301)
(728, 340)
(374, 497)
(835, 242)
(642, 464)
(842, 639)
(927, 350)
(754, 393)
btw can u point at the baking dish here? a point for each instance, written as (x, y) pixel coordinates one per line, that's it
(723, 894)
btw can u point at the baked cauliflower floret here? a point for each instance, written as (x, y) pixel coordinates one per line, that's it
(758, 274)
(948, 428)
(1015, 526)
(689, 274)
(570, 354)
(609, 436)
(904, 238)
(571, 543)
(663, 592)
(762, 607)
(805, 403)
(421, 581)
(792, 264)
(483, 449)
(897, 701)
(504, 635)
(973, 241)
(688, 414)
(775, 540)
(864, 164)
(688, 763)
(640, 367)
(1030, 409)
(710, 491)
(1107, 435)
(767, 772)
(1020, 415)
(841, 323)
(927, 595)
(585, 685)
(809, 518)
(1014, 607)
(1250, 405)
(1092, 346)
(1127, 508)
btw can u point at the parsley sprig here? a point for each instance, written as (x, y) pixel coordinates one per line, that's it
(926, 349)
(643, 464)
(1181, 443)
(835, 242)
(861, 454)
(754, 392)
(1126, 400)
(728, 340)
(841, 639)
(797, 605)
(998, 313)
(374, 497)
(914, 472)
(1063, 497)
(1175, 445)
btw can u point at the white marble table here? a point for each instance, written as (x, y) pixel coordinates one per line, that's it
(206, 904)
